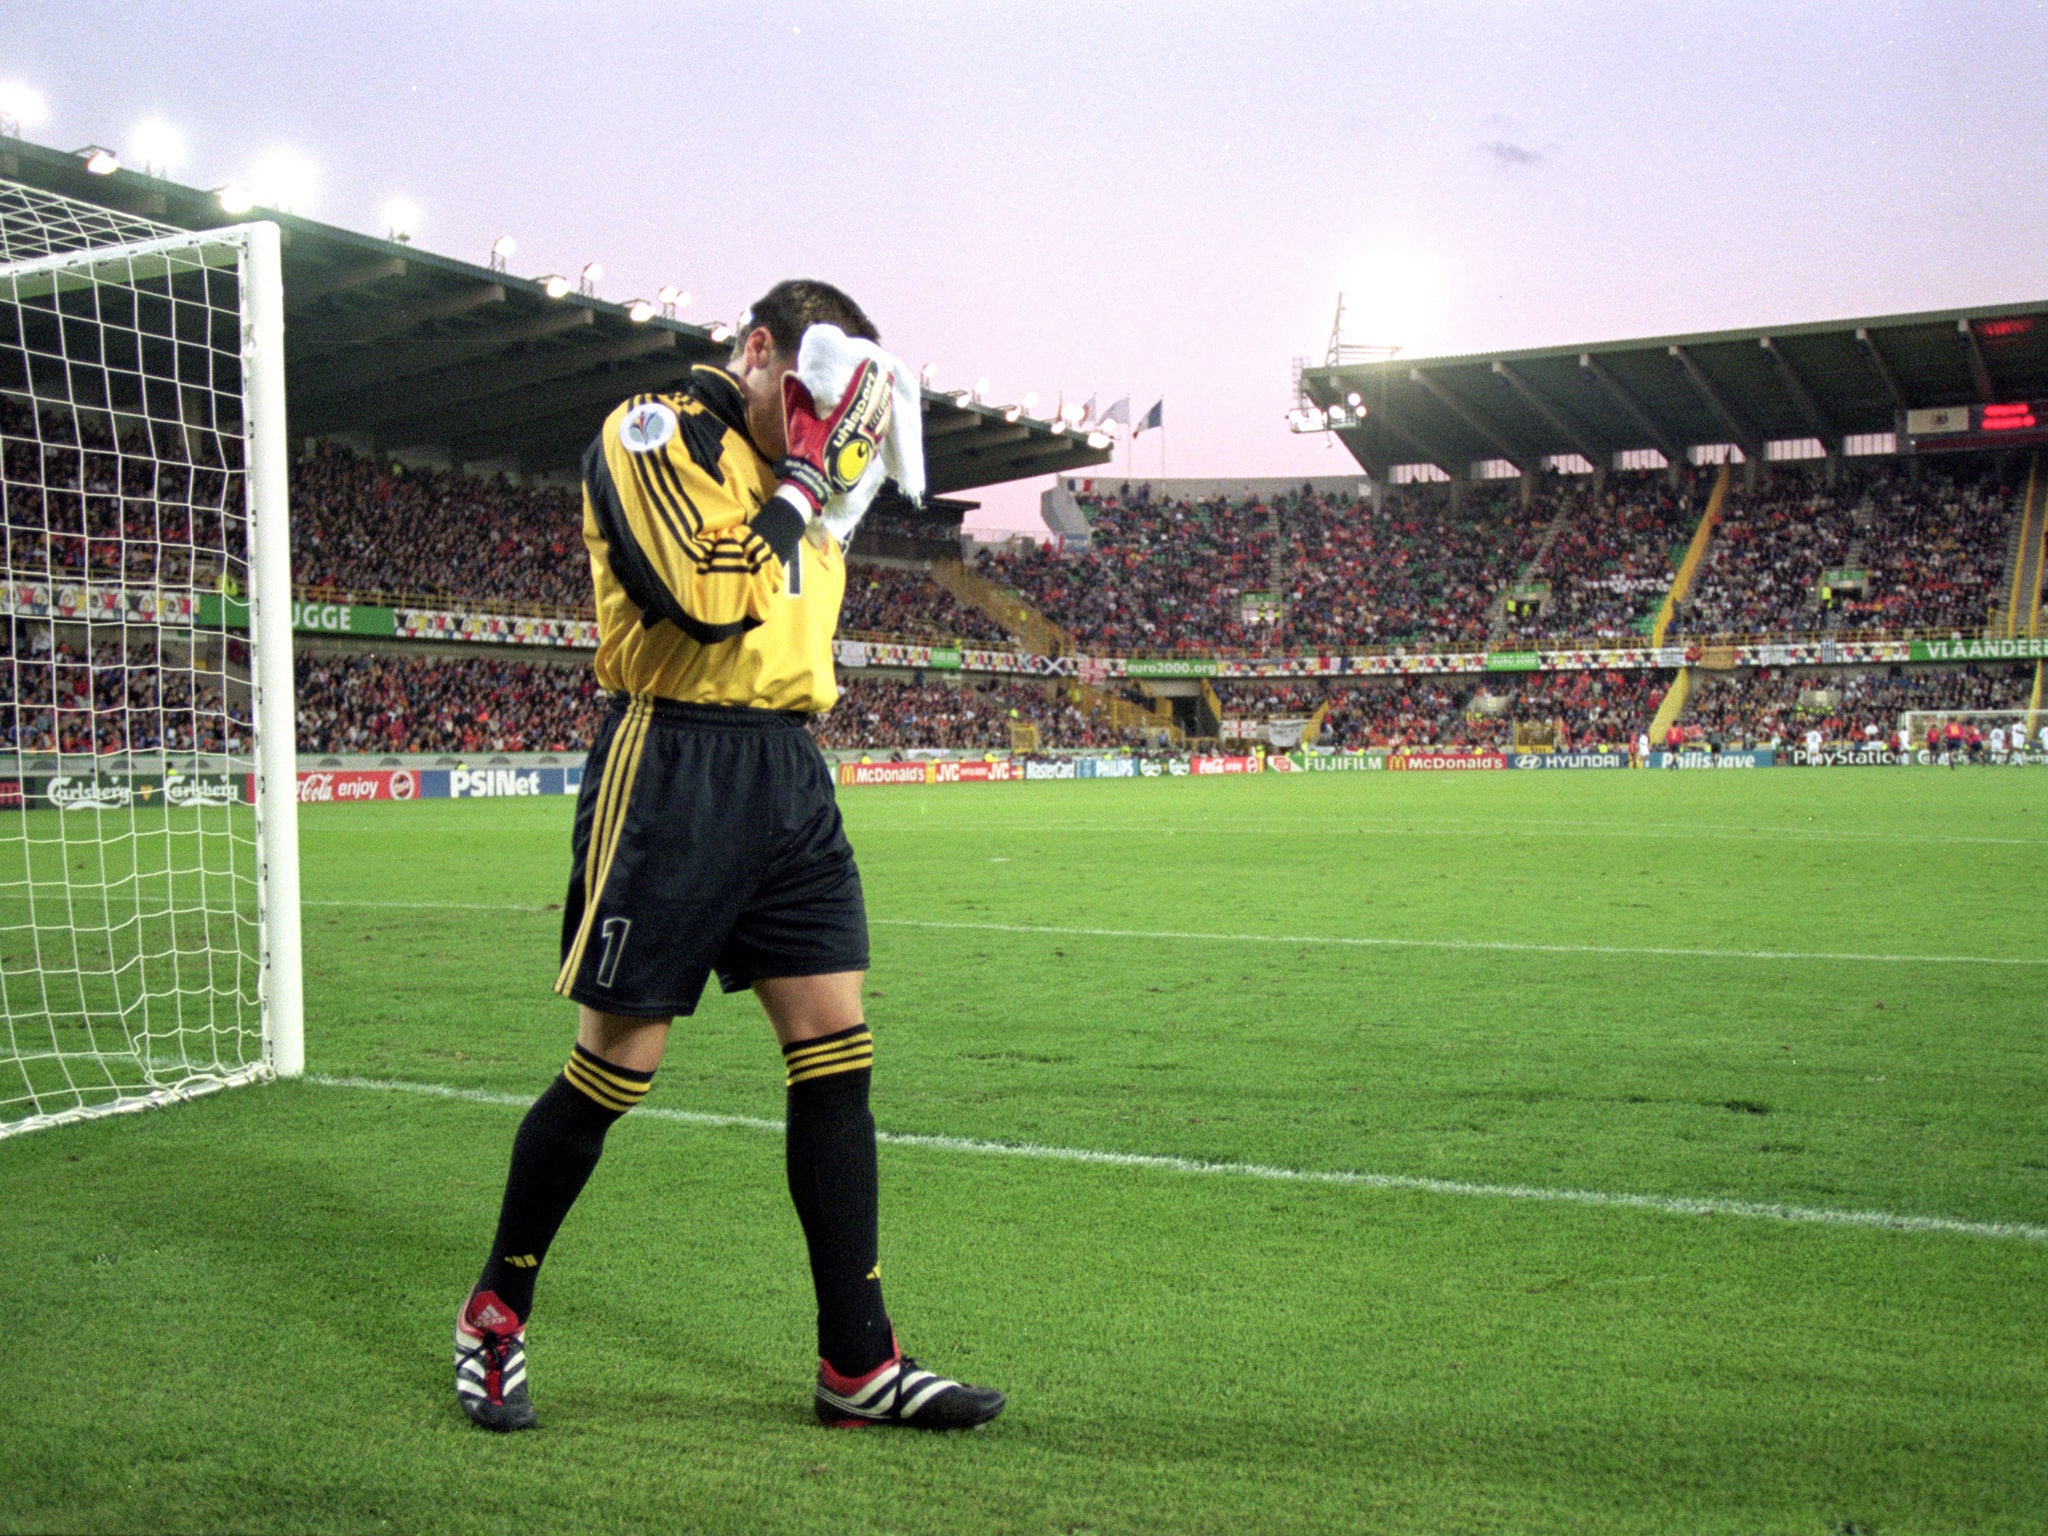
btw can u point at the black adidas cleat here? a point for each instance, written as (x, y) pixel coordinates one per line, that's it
(490, 1364)
(900, 1391)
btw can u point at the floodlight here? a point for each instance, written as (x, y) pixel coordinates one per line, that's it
(284, 179)
(639, 310)
(21, 106)
(401, 219)
(234, 198)
(98, 161)
(1030, 401)
(1073, 414)
(1013, 413)
(721, 332)
(669, 293)
(554, 285)
(1354, 400)
(1059, 428)
(980, 388)
(159, 146)
(1337, 416)
(1098, 439)
(587, 280)
(963, 398)
(927, 374)
(502, 250)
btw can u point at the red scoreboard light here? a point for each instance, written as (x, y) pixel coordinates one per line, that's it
(2019, 416)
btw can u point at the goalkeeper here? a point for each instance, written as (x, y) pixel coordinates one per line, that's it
(707, 837)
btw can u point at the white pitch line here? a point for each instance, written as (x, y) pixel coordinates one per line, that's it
(1507, 946)
(1668, 1205)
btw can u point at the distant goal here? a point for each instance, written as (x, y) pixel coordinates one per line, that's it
(149, 920)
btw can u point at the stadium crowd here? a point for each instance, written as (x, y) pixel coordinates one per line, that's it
(1931, 545)
(385, 702)
(1581, 710)
(1769, 704)
(1158, 577)
(1416, 570)
(1613, 558)
(885, 714)
(79, 505)
(362, 527)
(56, 696)
(892, 600)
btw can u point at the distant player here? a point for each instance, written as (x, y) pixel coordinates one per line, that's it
(1674, 743)
(1813, 743)
(707, 839)
(1955, 744)
(1642, 748)
(1997, 743)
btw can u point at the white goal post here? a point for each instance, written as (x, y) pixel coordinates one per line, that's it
(149, 882)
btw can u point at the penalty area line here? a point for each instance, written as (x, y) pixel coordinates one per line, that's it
(1666, 1205)
(1498, 946)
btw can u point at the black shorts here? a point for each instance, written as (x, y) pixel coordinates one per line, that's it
(707, 838)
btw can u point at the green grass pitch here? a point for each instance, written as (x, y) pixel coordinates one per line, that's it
(1744, 987)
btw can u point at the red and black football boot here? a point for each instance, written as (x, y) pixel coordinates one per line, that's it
(900, 1391)
(490, 1364)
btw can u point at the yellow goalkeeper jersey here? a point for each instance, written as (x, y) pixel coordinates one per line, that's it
(709, 590)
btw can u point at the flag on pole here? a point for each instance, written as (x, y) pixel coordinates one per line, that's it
(1156, 417)
(1120, 411)
(1088, 411)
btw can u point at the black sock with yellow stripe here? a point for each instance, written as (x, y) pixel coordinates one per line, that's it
(558, 1145)
(832, 1179)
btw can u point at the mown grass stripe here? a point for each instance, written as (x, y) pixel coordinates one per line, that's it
(1669, 1205)
(1508, 946)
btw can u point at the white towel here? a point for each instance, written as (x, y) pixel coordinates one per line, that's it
(825, 364)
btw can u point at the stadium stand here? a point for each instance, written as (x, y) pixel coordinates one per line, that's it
(884, 714)
(77, 507)
(387, 702)
(364, 530)
(383, 702)
(1613, 556)
(1159, 577)
(1778, 704)
(1931, 544)
(56, 698)
(1583, 709)
(1172, 576)
(903, 602)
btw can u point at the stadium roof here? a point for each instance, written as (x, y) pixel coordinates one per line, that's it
(1830, 381)
(406, 349)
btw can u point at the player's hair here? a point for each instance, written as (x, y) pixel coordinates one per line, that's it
(796, 304)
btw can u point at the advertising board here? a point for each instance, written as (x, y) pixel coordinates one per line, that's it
(1701, 758)
(1447, 760)
(1339, 762)
(1215, 764)
(1567, 759)
(852, 774)
(349, 785)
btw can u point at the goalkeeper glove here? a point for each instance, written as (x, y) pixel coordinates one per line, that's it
(828, 457)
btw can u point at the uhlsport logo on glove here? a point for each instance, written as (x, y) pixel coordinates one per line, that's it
(646, 427)
(863, 422)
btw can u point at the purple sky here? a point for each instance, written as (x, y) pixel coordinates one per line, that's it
(1159, 200)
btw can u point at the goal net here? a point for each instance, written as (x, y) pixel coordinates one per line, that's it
(149, 938)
